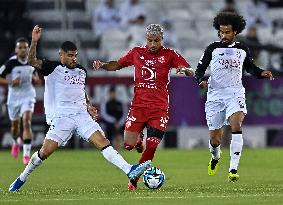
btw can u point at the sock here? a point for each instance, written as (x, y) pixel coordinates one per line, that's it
(215, 151)
(34, 162)
(115, 158)
(235, 149)
(151, 146)
(19, 141)
(27, 147)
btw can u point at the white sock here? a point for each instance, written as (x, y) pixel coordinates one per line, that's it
(26, 149)
(19, 141)
(235, 150)
(34, 162)
(215, 151)
(115, 158)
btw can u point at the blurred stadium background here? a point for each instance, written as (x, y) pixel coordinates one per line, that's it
(191, 23)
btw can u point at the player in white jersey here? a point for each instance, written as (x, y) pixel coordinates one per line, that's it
(19, 76)
(70, 111)
(226, 95)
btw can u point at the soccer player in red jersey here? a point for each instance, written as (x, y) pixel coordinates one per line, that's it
(149, 107)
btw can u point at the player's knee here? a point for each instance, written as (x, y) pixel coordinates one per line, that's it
(128, 147)
(45, 152)
(236, 127)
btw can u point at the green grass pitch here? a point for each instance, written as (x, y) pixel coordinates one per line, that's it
(84, 177)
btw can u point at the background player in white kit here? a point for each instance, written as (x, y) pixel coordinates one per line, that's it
(19, 76)
(226, 94)
(70, 111)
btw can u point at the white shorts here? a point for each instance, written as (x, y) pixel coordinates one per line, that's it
(63, 128)
(218, 111)
(16, 111)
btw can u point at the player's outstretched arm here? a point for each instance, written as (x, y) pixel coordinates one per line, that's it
(13, 83)
(267, 74)
(32, 59)
(109, 66)
(188, 71)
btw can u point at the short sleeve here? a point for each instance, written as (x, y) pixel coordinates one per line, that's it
(128, 59)
(48, 67)
(178, 60)
(6, 69)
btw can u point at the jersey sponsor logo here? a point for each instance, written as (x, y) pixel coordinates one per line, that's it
(74, 79)
(161, 59)
(149, 76)
(148, 73)
(230, 63)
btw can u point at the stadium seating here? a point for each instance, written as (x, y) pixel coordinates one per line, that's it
(192, 21)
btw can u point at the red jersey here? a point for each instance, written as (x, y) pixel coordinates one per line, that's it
(152, 75)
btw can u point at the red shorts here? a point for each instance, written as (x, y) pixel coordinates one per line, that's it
(139, 117)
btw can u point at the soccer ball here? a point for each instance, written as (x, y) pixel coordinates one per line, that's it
(153, 178)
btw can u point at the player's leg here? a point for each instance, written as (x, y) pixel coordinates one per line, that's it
(214, 148)
(15, 132)
(130, 139)
(154, 137)
(135, 123)
(157, 125)
(15, 118)
(91, 131)
(215, 117)
(59, 133)
(102, 143)
(27, 135)
(48, 147)
(236, 144)
(139, 145)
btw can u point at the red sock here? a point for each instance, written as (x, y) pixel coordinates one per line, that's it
(151, 146)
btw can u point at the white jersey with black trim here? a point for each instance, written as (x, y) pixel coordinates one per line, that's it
(64, 89)
(226, 64)
(13, 69)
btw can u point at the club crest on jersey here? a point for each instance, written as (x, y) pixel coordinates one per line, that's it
(161, 59)
(82, 74)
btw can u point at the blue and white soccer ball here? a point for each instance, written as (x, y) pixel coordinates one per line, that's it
(153, 178)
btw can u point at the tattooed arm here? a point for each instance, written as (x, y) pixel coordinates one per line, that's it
(32, 59)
